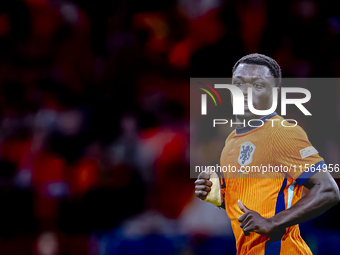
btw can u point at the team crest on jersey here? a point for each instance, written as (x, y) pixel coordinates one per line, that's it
(246, 153)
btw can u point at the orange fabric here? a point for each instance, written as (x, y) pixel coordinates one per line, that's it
(275, 145)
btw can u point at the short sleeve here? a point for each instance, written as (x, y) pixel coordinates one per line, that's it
(293, 153)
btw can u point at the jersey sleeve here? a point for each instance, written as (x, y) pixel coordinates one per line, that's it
(292, 150)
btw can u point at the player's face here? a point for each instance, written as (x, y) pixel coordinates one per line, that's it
(260, 79)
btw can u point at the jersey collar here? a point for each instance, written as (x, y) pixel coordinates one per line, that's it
(242, 130)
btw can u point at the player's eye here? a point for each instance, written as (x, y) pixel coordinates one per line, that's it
(237, 83)
(257, 85)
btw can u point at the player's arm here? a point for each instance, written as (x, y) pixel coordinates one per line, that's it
(209, 186)
(203, 185)
(208, 189)
(323, 194)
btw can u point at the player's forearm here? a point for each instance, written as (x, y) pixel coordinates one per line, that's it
(320, 198)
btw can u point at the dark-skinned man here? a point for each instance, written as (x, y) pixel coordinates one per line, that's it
(265, 210)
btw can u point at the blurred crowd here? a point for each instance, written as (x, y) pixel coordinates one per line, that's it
(94, 115)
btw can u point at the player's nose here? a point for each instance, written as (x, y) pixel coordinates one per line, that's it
(244, 89)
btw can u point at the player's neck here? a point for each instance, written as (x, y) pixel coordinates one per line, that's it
(242, 121)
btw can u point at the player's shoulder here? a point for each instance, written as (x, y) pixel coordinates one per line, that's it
(285, 129)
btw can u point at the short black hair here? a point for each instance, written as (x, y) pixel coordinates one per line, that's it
(260, 59)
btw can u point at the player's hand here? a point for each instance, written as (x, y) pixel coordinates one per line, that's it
(203, 185)
(252, 221)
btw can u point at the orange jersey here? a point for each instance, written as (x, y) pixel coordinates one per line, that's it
(290, 160)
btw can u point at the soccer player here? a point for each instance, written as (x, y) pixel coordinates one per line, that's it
(265, 209)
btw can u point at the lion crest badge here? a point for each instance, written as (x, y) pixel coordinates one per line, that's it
(246, 153)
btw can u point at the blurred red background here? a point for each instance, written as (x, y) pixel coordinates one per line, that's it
(94, 117)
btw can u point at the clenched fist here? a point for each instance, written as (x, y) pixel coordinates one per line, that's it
(252, 221)
(203, 185)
